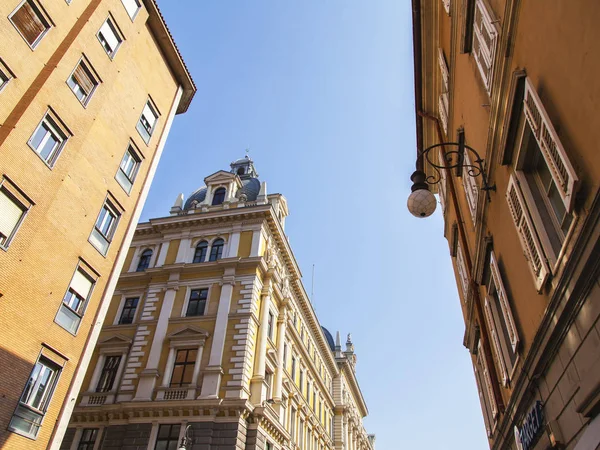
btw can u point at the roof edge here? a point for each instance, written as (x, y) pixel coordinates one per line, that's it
(164, 38)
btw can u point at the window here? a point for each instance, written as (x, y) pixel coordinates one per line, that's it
(105, 227)
(498, 315)
(442, 182)
(443, 101)
(183, 368)
(270, 325)
(216, 251)
(132, 7)
(5, 75)
(168, 437)
(13, 208)
(485, 38)
(109, 37)
(88, 439)
(75, 301)
(128, 311)
(28, 416)
(109, 373)
(302, 381)
(144, 260)
(128, 169)
(48, 140)
(285, 354)
(308, 392)
(218, 196)
(82, 82)
(470, 186)
(268, 383)
(462, 272)
(30, 22)
(269, 446)
(486, 392)
(197, 302)
(147, 121)
(293, 423)
(293, 368)
(200, 253)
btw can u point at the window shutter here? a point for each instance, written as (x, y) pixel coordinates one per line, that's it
(109, 36)
(444, 71)
(487, 380)
(462, 272)
(150, 115)
(81, 284)
(28, 22)
(484, 43)
(443, 112)
(489, 318)
(83, 78)
(563, 173)
(486, 420)
(529, 240)
(442, 183)
(504, 305)
(10, 214)
(471, 188)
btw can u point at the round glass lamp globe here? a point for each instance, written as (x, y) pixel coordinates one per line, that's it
(421, 203)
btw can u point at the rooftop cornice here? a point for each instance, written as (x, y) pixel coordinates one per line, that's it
(353, 381)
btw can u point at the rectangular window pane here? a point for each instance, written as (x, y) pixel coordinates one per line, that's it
(131, 6)
(82, 82)
(109, 38)
(128, 313)
(11, 212)
(47, 140)
(147, 122)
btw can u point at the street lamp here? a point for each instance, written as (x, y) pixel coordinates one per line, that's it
(421, 202)
(187, 438)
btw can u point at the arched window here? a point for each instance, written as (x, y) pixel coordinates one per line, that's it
(240, 171)
(216, 251)
(200, 253)
(219, 196)
(144, 260)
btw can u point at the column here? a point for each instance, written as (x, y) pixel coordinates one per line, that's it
(257, 239)
(96, 375)
(234, 242)
(149, 375)
(182, 252)
(281, 328)
(257, 390)
(214, 371)
(134, 260)
(164, 248)
(169, 368)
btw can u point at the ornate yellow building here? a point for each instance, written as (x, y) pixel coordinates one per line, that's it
(210, 336)
(88, 92)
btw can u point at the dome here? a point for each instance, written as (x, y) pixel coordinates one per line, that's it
(197, 196)
(250, 187)
(329, 338)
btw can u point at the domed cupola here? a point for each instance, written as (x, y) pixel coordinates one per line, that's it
(244, 168)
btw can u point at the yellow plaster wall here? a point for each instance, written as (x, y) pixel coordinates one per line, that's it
(172, 252)
(128, 259)
(245, 244)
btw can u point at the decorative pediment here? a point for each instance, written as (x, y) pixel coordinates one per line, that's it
(188, 334)
(222, 177)
(116, 340)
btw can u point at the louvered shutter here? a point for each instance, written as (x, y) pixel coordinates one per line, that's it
(28, 22)
(484, 408)
(443, 112)
(10, 214)
(484, 43)
(442, 183)
(83, 79)
(462, 272)
(563, 173)
(487, 381)
(444, 70)
(81, 284)
(504, 305)
(109, 36)
(471, 189)
(527, 235)
(489, 318)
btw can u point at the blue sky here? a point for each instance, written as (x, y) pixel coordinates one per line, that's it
(322, 93)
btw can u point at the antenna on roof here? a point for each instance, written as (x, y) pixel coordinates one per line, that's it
(312, 286)
(248, 152)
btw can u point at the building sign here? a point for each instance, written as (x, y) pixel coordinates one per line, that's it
(530, 430)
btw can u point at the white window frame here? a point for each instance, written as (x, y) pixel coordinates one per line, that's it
(487, 53)
(489, 389)
(79, 435)
(127, 4)
(489, 318)
(124, 297)
(54, 127)
(21, 201)
(188, 293)
(126, 181)
(5, 75)
(98, 239)
(470, 187)
(463, 273)
(42, 16)
(46, 362)
(80, 271)
(116, 32)
(91, 72)
(504, 305)
(442, 182)
(140, 127)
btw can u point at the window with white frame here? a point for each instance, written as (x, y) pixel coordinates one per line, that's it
(443, 101)
(183, 368)
(83, 81)
(109, 37)
(268, 384)
(30, 22)
(48, 139)
(145, 259)
(108, 374)
(105, 227)
(463, 275)
(167, 437)
(128, 169)
(13, 208)
(200, 252)
(147, 122)
(541, 193)
(197, 302)
(88, 439)
(75, 301)
(270, 321)
(442, 182)
(5, 75)
(498, 315)
(129, 309)
(486, 392)
(132, 7)
(29, 414)
(470, 186)
(485, 38)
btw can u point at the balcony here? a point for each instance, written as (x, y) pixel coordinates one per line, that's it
(176, 393)
(97, 398)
